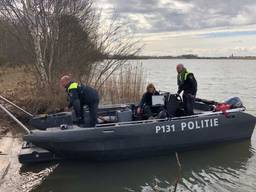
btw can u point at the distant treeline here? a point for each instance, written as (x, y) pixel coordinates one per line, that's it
(188, 56)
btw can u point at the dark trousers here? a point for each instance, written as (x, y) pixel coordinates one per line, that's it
(149, 111)
(188, 103)
(93, 109)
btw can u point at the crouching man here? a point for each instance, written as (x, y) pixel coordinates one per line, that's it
(80, 95)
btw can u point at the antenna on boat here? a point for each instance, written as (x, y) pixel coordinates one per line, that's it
(15, 119)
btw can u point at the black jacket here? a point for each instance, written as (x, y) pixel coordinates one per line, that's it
(147, 98)
(82, 95)
(189, 86)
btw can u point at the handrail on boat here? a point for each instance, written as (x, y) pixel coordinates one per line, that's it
(15, 119)
(16, 106)
(169, 119)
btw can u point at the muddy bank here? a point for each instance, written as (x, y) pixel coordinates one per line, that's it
(15, 177)
(10, 144)
(9, 165)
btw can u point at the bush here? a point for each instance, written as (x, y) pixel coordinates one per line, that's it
(3, 61)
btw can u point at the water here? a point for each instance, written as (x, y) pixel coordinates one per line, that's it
(225, 167)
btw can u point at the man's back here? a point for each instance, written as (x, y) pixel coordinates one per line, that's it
(88, 94)
(190, 84)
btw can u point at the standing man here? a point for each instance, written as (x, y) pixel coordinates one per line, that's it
(186, 83)
(80, 95)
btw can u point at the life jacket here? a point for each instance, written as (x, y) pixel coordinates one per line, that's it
(183, 77)
(86, 94)
(73, 86)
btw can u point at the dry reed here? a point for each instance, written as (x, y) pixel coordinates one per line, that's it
(18, 84)
(125, 86)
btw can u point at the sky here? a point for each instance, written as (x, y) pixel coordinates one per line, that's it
(176, 27)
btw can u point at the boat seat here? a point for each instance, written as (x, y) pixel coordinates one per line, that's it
(124, 115)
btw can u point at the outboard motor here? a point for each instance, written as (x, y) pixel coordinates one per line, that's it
(234, 102)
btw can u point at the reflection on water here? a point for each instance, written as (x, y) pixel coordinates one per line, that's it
(226, 167)
(209, 169)
(33, 176)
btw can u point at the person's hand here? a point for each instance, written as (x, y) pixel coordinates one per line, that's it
(66, 109)
(138, 110)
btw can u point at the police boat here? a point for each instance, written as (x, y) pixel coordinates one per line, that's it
(131, 136)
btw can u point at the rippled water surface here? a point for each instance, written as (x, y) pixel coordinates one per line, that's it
(225, 167)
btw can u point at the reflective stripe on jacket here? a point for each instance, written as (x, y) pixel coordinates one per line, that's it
(73, 85)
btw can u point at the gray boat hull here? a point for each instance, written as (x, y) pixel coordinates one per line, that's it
(139, 139)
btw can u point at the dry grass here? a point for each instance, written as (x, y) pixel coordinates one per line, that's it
(19, 85)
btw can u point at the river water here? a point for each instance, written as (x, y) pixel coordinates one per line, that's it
(225, 167)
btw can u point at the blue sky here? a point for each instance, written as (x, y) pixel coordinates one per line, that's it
(174, 27)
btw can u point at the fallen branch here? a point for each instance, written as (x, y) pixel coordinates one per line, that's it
(5, 171)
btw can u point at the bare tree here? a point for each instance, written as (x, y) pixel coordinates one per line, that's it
(65, 36)
(114, 42)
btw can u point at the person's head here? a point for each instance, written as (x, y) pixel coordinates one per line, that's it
(180, 68)
(151, 88)
(65, 80)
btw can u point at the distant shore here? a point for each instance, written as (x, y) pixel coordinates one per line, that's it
(180, 57)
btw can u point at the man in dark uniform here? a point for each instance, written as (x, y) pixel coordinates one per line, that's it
(80, 95)
(146, 102)
(187, 83)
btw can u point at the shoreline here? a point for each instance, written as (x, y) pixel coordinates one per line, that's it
(15, 177)
(159, 58)
(9, 165)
